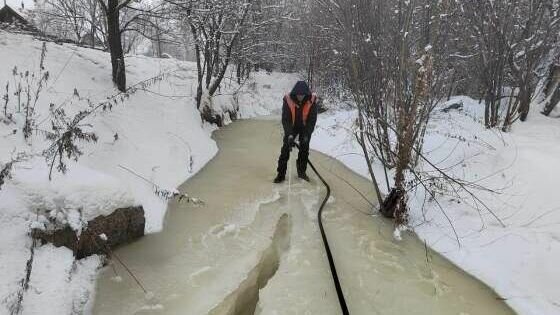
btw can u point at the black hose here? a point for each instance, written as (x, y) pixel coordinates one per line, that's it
(337, 285)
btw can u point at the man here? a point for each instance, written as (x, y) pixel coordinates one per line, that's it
(299, 115)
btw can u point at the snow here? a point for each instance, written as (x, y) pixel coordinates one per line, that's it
(261, 96)
(67, 293)
(152, 141)
(92, 193)
(16, 4)
(519, 260)
(156, 138)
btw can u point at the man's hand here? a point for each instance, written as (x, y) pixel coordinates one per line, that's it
(291, 141)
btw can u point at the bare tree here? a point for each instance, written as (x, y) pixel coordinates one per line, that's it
(389, 51)
(552, 85)
(261, 44)
(112, 10)
(215, 27)
(69, 11)
(487, 21)
(507, 41)
(531, 40)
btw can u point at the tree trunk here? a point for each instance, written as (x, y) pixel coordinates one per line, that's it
(551, 79)
(229, 49)
(361, 140)
(200, 76)
(240, 71)
(450, 91)
(524, 104)
(159, 55)
(208, 61)
(400, 212)
(93, 30)
(508, 119)
(554, 100)
(214, 87)
(247, 69)
(93, 13)
(115, 45)
(487, 111)
(199, 68)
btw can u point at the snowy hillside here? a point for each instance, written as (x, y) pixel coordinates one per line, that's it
(151, 140)
(520, 260)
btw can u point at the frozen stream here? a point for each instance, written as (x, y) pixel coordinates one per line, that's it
(252, 249)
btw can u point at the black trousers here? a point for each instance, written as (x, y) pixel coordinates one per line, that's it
(303, 154)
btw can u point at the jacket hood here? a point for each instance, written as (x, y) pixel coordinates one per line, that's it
(301, 88)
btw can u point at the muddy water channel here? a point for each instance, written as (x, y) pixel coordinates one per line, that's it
(255, 248)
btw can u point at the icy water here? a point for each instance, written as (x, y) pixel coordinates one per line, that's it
(252, 249)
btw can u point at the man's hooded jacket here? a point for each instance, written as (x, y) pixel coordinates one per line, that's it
(305, 112)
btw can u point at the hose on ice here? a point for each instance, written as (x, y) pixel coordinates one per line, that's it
(332, 266)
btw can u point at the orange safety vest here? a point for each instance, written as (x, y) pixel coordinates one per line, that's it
(306, 107)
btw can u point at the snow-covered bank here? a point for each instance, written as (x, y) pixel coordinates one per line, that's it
(160, 138)
(154, 136)
(520, 260)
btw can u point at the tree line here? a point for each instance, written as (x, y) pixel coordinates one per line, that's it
(398, 59)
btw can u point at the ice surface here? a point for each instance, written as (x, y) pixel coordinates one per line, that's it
(215, 258)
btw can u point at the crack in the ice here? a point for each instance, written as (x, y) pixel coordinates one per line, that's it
(244, 299)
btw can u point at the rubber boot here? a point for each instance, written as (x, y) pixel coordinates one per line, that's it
(304, 177)
(279, 178)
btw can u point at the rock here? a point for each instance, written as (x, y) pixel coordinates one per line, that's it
(102, 233)
(389, 205)
(208, 115)
(456, 106)
(321, 108)
(219, 120)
